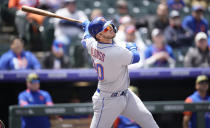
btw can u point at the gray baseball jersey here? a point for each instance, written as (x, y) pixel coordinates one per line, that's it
(113, 98)
(110, 62)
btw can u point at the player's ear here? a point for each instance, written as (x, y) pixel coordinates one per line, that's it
(99, 36)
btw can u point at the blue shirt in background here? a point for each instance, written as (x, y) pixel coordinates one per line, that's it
(26, 60)
(27, 98)
(151, 50)
(175, 5)
(189, 23)
(195, 97)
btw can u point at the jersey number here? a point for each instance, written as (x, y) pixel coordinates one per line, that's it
(100, 71)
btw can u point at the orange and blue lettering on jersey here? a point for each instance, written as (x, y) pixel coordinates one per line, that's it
(27, 98)
(100, 71)
(195, 97)
(97, 54)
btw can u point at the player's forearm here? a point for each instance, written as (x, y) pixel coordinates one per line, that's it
(185, 124)
(150, 60)
(135, 54)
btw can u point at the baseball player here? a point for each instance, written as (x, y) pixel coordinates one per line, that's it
(112, 97)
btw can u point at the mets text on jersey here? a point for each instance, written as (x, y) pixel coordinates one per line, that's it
(97, 54)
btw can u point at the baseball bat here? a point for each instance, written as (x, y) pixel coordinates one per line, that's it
(46, 13)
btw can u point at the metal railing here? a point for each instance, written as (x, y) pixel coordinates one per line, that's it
(15, 112)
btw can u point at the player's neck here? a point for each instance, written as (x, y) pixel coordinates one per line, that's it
(106, 41)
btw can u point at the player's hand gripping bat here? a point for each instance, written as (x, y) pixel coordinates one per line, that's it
(46, 13)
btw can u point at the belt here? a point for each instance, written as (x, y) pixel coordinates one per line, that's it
(116, 94)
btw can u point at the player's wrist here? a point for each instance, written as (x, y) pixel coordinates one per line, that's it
(131, 46)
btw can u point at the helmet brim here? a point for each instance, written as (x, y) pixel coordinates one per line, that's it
(107, 24)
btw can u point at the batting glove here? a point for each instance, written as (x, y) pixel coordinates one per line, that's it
(85, 25)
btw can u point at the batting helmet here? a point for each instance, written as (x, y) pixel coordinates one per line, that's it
(99, 24)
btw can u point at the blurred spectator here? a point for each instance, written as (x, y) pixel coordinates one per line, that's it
(174, 34)
(200, 55)
(17, 58)
(14, 4)
(66, 28)
(95, 13)
(203, 3)
(7, 15)
(132, 36)
(34, 96)
(27, 25)
(122, 10)
(159, 54)
(64, 42)
(200, 95)
(56, 59)
(124, 122)
(31, 3)
(175, 4)
(22, 18)
(195, 22)
(161, 20)
(124, 22)
(52, 5)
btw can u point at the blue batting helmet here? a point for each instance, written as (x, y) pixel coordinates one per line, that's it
(99, 24)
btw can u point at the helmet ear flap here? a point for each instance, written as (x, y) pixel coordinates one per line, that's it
(114, 27)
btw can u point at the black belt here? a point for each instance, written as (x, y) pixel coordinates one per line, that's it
(116, 94)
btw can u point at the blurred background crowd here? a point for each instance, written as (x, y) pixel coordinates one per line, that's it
(168, 33)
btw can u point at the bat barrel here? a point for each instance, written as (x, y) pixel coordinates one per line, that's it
(46, 13)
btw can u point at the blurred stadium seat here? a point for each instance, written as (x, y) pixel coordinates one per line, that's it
(4, 43)
(47, 33)
(77, 53)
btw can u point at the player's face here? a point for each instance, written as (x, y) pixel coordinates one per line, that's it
(162, 11)
(202, 86)
(159, 41)
(198, 14)
(34, 85)
(202, 44)
(71, 7)
(17, 46)
(108, 32)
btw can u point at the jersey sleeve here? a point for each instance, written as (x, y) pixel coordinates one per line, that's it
(87, 42)
(48, 99)
(123, 56)
(188, 113)
(22, 100)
